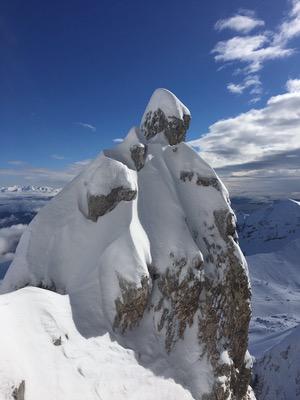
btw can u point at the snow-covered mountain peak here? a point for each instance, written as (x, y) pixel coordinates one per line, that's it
(270, 227)
(166, 118)
(143, 242)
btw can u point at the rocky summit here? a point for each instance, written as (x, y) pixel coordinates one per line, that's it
(141, 250)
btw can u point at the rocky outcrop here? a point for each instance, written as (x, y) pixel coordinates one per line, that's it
(99, 205)
(130, 306)
(138, 155)
(173, 128)
(19, 392)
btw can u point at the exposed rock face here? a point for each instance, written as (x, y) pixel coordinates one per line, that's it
(174, 128)
(165, 115)
(19, 392)
(188, 176)
(162, 267)
(132, 304)
(100, 204)
(138, 155)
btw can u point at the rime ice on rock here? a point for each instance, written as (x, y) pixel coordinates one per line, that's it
(143, 241)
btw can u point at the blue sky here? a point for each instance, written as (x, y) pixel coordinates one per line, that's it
(75, 75)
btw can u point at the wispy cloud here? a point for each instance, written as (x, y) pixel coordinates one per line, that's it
(57, 157)
(244, 21)
(16, 162)
(260, 144)
(118, 140)
(249, 53)
(87, 126)
(250, 81)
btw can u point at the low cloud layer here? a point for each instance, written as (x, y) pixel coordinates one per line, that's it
(9, 238)
(41, 176)
(261, 146)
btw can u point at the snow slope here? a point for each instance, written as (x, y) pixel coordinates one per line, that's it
(277, 373)
(41, 346)
(143, 243)
(275, 281)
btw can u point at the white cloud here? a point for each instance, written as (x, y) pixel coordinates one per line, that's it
(87, 126)
(251, 50)
(290, 27)
(118, 140)
(9, 238)
(251, 81)
(293, 85)
(240, 23)
(16, 162)
(248, 54)
(261, 143)
(57, 157)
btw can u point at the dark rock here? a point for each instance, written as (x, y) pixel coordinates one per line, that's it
(19, 392)
(187, 176)
(57, 342)
(99, 205)
(132, 304)
(174, 128)
(138, 155)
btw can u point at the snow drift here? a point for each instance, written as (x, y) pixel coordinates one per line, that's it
(143, 242)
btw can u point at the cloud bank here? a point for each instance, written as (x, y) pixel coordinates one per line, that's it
(261, 146)
(9, 238)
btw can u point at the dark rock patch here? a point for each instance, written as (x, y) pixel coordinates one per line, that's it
(174, 128)
(19, 392)
(138, 155)
(131, 305)
(99, 205)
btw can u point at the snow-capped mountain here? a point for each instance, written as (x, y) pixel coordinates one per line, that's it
(151, 287)
(269, 227)
(270, 235)
(30, 189)
(277, 373)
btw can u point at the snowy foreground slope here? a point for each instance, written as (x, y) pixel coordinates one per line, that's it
(41, 347)
(141, 250)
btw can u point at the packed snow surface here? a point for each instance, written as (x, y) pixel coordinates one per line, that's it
(41, 346)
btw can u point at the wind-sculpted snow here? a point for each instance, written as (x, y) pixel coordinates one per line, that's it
(143, 241)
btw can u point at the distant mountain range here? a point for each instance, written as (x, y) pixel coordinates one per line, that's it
(30, 189)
